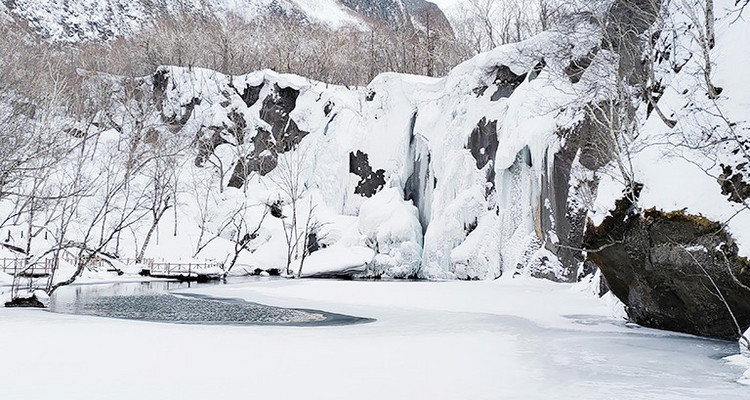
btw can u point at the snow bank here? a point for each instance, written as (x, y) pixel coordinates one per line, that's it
(743, 359)
(338, 261)
(391, 227)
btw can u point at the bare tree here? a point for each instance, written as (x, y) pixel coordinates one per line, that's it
(244, 233)
(288, 178)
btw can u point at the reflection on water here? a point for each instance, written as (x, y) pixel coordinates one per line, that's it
(150, 301)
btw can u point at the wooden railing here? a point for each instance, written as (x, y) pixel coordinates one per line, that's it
(15, 266)
(182, 269)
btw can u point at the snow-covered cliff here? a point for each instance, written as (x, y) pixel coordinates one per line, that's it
(449, 178)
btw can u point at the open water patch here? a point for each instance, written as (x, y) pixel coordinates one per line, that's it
(151, 301)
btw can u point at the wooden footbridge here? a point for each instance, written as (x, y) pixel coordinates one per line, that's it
(191, 271)
(184, 271)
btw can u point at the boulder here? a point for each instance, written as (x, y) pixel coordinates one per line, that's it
(673, 270)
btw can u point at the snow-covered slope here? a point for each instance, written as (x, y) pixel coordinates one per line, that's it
(77, 20)
(96, 19)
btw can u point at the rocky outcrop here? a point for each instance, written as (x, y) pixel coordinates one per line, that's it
(370, 181)
(733, 181)
(673, 271)
(426, 14)
(568, 179)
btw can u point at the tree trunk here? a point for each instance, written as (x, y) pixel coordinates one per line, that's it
(154, 225)
(82, 261)
(710, 34)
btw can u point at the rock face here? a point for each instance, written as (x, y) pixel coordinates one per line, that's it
(424, 13)
(390, 12)
(673, 271)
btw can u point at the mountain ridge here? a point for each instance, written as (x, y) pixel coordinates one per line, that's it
(87, 20)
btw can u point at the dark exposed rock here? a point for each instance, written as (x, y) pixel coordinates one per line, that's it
(577, 67)
(733, 184)
(238, 130)
(483, 142)
(276, 210)
(276, 109)
(277, 106)
(160, 82)
(538, 68)
(506, 82)
(284, 136)
(176, 121)
(21, 302)
(624, 24)
(483, 145)
(371, 182)
(479, 91)
(263, 159)
(471, 227)
(370, 95)
(328, 108)
(206, 146)
(251, 94)
(312, 244)
(672, 270)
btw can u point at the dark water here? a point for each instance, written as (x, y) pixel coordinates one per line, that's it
(151, 301)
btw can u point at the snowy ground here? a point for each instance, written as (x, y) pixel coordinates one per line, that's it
(512, 339)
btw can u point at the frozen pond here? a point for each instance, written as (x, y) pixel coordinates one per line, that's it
(152, 301)
(513, 339)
